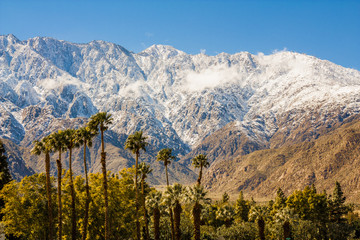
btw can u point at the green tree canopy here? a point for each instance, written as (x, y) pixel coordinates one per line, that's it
(25, 211)
(242, 207)
(337, 207)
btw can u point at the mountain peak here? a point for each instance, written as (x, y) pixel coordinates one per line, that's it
(158, 50)
(5, 40)
(12, 37)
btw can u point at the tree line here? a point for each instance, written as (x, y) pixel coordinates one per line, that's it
(123, 206)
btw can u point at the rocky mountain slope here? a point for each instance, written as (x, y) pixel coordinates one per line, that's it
(248, 102)
(332, 157)
(17, 157)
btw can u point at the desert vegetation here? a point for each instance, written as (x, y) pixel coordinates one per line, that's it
(122, 205)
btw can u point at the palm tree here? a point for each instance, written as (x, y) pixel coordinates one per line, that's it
(70, 143)
(40, 147)
(225, 214)
(84, 137)
(259, 214)
(144, 170)
(174, 196)
(208, 214)
(165, 156)
(200, 161)
(197, 196)
(153, 200)
(135, 143)
(102, 120)
(285, 216)
(56, 141)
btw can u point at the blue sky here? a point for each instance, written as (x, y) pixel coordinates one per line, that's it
(325, 29)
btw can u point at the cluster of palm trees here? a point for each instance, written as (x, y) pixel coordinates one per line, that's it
(67, 140)
(175, 194)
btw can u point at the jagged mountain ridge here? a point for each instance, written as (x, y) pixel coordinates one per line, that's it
(176, 98)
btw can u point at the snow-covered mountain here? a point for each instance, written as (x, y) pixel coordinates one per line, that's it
(177, 99)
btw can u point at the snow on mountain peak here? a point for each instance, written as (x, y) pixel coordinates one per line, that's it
(6, 40)
(158, 51)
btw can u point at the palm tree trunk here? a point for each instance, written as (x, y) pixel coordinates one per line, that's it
(167, 177)
(177, 215)
(58, 161)
(197, 217)
(323, 231)
(73, 207)
(171, 212)
(87, 202)
(146, 237)
(156, 223)
(137, 197)
(200, 175)
(48, 193)
(261, 228)
(287, 230)
(227, 223)
(103, 164)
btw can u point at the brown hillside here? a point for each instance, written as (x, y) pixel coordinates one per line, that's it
(225, 143)
(332, 157)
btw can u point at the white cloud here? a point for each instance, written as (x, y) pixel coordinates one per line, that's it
(51, 83)
(260, 54)
(134, 88)
(203, 51)
(277, 50)
(210, 78)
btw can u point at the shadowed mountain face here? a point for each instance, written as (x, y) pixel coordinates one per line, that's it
(225, 106)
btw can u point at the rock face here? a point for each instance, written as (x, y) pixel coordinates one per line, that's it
(224, 105)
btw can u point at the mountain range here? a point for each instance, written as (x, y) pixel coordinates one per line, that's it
(228, 106)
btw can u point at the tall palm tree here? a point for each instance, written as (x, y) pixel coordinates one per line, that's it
(153, 201)
(70, 143)
(102, 120)
(84, 137)
(144, 170)
(197, 196)
(174, 195)
(40, 147)
(135, 143)
(200, 161)
(165, 156)
(56, 141)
